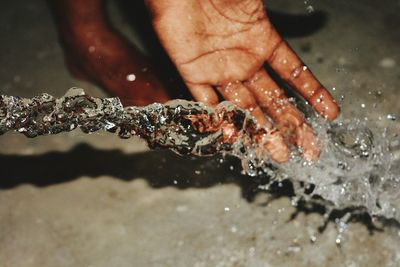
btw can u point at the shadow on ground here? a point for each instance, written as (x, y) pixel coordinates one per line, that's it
(159, 169)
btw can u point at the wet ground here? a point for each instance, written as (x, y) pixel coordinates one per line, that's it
(77, 200)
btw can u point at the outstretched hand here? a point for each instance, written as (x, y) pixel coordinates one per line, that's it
(222, 45)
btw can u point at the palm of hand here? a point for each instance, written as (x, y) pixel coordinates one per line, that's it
(215, 42)
(223, 44)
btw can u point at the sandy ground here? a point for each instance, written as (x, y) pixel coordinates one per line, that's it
(77, 200)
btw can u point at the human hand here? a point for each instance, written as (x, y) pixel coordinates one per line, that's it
(222, 45)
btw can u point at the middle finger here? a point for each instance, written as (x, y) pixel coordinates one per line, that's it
(273, 141)
(288, 118)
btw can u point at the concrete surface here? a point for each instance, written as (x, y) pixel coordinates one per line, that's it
(77, 200)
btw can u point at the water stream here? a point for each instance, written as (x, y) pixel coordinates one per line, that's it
(359, 166)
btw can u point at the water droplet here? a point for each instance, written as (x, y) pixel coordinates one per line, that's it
(354, 161)
(387, 63)
(181, 209)
(131, 77)
(391, 117)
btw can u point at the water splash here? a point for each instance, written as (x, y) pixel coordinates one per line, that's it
(359, 166)
(182, 126)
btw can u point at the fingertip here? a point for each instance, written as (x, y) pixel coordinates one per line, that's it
(203, 93)
(308, 142)
(333, 111)
(312, 154)
(281, 158)
(276, 147)
(329, 110)
(324, 104)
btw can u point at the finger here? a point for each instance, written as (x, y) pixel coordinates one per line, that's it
(273, 141)
(290, 68)
(308, 141)
(287, 117)
(203, 93)
(239, 95)
(275, 145)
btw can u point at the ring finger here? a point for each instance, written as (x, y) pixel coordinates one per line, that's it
(287, 117)
(274, 142)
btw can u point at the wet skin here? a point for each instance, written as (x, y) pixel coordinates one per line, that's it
(222, 45)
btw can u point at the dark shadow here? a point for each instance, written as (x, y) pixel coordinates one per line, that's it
(356, 215)
(159, 169)
(319, 206)
(83, 160)
(298, 25)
